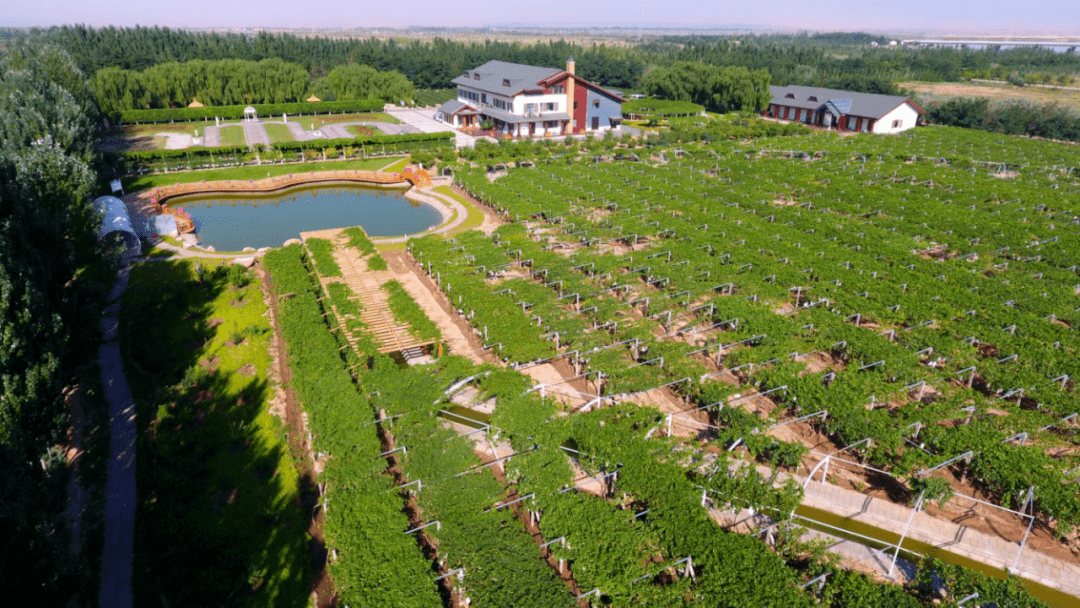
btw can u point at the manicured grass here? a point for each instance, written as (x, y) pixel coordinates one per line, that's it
(396, 166)
(278, 132)
(232, 136)
(475, 218)
(255, 172)
(326, 119)
(218, 506)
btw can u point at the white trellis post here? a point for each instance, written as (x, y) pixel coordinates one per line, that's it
(907, 526)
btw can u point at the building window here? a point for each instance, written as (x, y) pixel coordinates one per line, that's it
(559, 89)
(596, 103)
(812, 98)
(896, 124)
(465, 73)
(551, 106)
(476, 76)
(789, 96)
(506, 82)
(575, 107)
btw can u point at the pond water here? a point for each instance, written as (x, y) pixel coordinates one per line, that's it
(232, 222)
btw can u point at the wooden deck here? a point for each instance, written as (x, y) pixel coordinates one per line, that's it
(391, 335)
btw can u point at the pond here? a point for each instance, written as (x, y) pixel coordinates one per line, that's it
(232, 222)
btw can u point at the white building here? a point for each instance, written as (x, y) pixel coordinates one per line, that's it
(844, 110)
(530, 101)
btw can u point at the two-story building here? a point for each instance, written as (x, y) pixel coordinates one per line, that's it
(844, 110)
(530, 101)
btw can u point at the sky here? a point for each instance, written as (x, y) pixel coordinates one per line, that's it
(966, 16)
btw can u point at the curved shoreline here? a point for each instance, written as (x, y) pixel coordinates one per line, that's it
(149, 202)
(272, 185)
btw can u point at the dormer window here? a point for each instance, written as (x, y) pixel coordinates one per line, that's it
(476, 76)
(813, 98)
(506, 82)
(790, 96)
(465, 73)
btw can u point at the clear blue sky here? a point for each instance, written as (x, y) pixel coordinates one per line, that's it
(1032, 16)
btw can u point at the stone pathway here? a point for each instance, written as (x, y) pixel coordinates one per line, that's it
(212, 136)
(255, 133)
(439, 202)
(298, 132)
(424, 121)
(339, 130)
(116, 561)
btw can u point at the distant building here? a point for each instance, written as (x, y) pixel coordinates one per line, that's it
(844, 110)
(530, 101)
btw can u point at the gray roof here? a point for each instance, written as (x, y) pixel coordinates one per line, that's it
(867, 105)
(454, 106)
(504, 78)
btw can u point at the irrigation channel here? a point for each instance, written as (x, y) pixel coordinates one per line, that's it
(232, 222)
(882, 541)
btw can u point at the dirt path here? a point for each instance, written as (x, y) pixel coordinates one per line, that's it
(457, 333)
(116, 562)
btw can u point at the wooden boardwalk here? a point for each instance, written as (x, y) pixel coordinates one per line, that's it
(375, 314)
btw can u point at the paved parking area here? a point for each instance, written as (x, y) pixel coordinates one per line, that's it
(423, 119)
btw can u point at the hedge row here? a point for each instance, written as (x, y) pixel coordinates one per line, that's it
(237, 112)
(286, 146)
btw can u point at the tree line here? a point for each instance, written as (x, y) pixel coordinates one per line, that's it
(719, 89)
(1017, 118)
(224, 82)
(427, 64)
(49, 308)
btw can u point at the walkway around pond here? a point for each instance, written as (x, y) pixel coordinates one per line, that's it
(116, 560)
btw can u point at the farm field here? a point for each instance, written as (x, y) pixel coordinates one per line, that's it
(662, 343)
(997, 93)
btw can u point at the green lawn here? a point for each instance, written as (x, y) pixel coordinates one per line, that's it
(218, 505)
(475, 218)
(396, 166)
(258, 172)
(232, 135)
(278, 132)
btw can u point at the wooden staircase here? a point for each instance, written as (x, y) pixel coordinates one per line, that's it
(375, 313)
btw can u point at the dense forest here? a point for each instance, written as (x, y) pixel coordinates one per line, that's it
(803, 59)
(48, 310)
